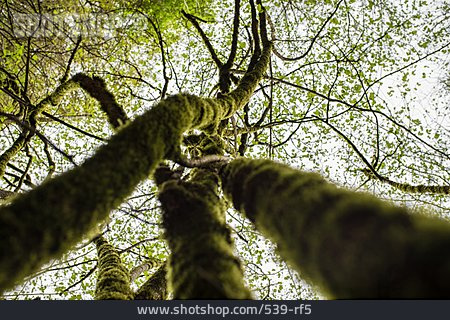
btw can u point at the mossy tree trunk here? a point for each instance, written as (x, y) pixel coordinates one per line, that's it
(113, 280)
(202, 264)
(352, 244)
(45, 222)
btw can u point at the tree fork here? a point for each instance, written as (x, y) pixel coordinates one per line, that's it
(96, 87)
(155, 288)
(351, 244)
(45, 222)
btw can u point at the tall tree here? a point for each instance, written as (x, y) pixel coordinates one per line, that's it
(330, 88)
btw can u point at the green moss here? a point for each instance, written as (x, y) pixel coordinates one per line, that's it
(30, 120)
(420, 188)
(202, 264)
(351, 244)
(55, 98)
(236, 99)
(96, 87)
(11, 152)
(45, 222)
(113, 280)
(407, 187)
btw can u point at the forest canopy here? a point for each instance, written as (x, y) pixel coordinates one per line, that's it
(253, 149)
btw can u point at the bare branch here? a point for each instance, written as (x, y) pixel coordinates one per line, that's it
(48, 115)
(69, 63)
(203, 162)
(313, 40)
(205, 39)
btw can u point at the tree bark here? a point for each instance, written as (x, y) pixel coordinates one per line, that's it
(113, 280)
(201, 264)
(155, 288)
(351, 244)
(45, 222)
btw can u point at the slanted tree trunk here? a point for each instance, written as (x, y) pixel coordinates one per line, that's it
(352, 244)
(47, 221)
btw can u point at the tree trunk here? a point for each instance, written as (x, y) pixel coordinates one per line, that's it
(113, 280)
(47, 221)
(155, 288)
(202, 264)
(351, 244)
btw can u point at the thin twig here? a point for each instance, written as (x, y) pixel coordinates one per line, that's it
(205, 39)
(25, 173)
(48, 115)
(313, 40)
(72, 56)
(79, 281)
(40, 135)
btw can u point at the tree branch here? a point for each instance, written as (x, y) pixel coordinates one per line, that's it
(205, 39)
(405, 187)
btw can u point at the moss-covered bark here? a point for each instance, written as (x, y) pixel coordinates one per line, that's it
(202, 264)
(418, 188)
(351, 244)
(45, 222)
(55, 97)
(11, 152)
(113, 280)
(96, 88)
(155, 288)
(405, 187)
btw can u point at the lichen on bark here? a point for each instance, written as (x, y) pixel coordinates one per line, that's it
(202, 264)
(405, 187)
(351, 244)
